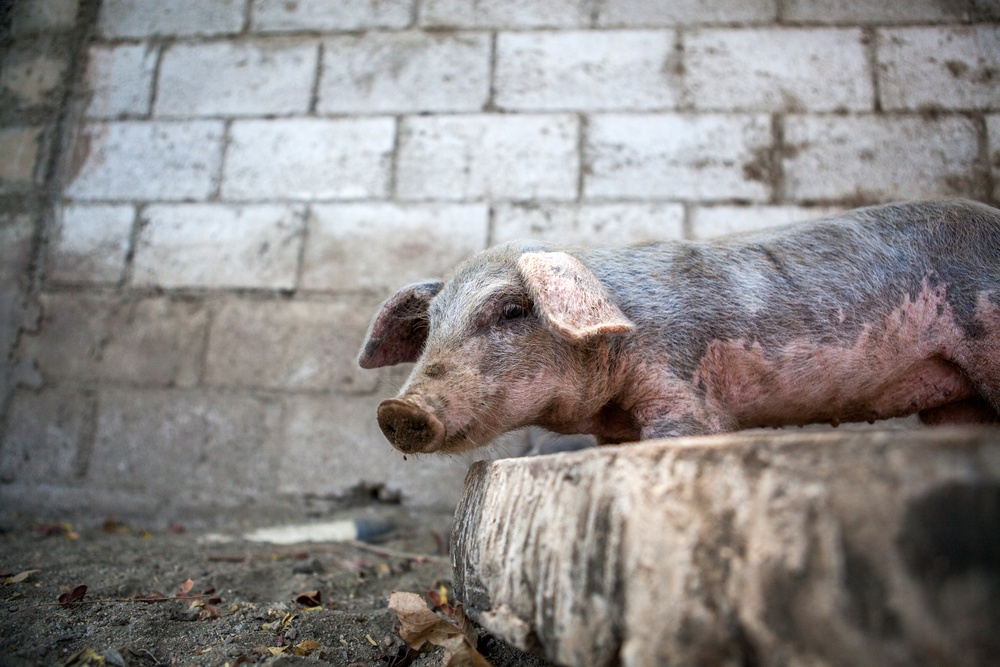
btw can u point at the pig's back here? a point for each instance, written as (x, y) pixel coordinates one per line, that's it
(824, 281)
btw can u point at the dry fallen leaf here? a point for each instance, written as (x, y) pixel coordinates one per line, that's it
(209, 612)
(19, 577)
(66, 599)
(185, 588)
(85, 656)
(307, 647)
(419, 625)
(309, 599)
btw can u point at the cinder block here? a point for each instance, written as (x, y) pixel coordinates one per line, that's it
(993, 133)
(954, 67)
(890, 158)
(381, 247)
(586, 70)
(714, 221)
(88, 336)
(854, 12)
(705, 157)
(589, 224)
(236, 78)
(778, 69)
(190, 447)
(291, 345)
(507, 14)
(142, 160)
(44, 434)
(119, 79)
(657, 13)
(214, 245)
(16, 234)
(155, 342)
(333, 443)
(346, 15)
(20, 148)
(43, 16)
(405, 72)
(67, 345)
(90, 243)
(308, 158)
(33, 71)
(488, 156)
(178, 18)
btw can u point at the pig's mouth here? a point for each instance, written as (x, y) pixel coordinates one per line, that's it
(410, 428)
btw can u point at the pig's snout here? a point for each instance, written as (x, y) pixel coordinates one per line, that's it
(409, 427)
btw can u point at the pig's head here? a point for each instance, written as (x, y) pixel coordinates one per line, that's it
(508, 341)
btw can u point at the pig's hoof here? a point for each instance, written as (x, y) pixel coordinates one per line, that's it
(410, 428)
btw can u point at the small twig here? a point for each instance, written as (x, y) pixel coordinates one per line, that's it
(393, 553)
(156, 661)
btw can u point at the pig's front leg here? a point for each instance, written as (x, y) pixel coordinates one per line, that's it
(676, 410)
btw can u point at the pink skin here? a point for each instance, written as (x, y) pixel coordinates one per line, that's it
(895, 368)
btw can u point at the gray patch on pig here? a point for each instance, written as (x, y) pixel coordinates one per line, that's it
(685, 303)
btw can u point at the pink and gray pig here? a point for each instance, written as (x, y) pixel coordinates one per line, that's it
(882, 312)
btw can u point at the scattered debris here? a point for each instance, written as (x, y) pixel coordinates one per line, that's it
(19, 577)
(419, 626)
(54, 529)
(309, 599)
(332, 531)
(67, 599)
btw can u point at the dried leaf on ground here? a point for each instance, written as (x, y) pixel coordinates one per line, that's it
(419, 625)
(64, 528)
(85, 656)
(307, 647)
(185, 588)
(309, 599)
(19, 577)
(66, 599)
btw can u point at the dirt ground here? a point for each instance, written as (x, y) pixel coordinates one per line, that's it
(184, 595)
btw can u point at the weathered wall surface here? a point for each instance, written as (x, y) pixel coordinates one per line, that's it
(203, 201)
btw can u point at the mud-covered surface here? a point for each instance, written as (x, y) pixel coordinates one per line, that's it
(181, 595)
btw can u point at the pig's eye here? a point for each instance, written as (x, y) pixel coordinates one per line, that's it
(513, 311)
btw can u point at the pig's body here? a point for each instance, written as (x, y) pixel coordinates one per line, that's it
(881, 313)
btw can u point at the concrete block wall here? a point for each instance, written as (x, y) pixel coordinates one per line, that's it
(206, 199)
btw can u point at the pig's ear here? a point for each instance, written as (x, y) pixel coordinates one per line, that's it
(399, 330)
(569, 296)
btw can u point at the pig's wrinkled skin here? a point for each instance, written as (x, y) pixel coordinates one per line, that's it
(880, 313)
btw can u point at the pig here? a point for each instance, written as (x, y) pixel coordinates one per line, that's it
(882, 312)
